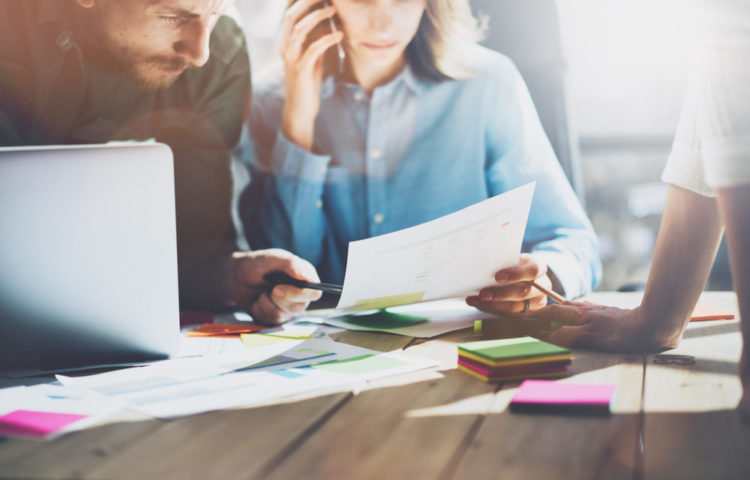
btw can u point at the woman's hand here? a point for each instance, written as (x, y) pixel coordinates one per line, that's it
(513, 292)
(599, 327)
(304, 68)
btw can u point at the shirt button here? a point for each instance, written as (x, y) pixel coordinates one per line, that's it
(319, 203)
(375, 154)
(358, 96)
(378, 218)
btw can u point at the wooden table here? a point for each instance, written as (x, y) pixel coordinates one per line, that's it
(669, 422)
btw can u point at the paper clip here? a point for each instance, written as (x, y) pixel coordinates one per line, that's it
(672, 359)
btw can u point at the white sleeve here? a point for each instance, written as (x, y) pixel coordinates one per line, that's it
(712, 146)
(724, 121)
(685, 163)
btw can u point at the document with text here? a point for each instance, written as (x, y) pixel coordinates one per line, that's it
(452, 256)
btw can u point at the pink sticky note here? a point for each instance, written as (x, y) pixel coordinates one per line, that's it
(28, 423)
(546, 394)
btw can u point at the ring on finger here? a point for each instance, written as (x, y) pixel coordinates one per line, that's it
(526, 305)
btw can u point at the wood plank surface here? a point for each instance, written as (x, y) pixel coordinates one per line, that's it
(380, 341)
(691, 427)
(511, 445)
(229, 444)
(404, 432)
(73, 455)
(669, 421)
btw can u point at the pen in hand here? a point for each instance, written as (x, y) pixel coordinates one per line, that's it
(281, 278)
(549, 292)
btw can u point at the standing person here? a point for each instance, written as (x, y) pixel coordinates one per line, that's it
(708, 172)
(94, 71)
(387, 115)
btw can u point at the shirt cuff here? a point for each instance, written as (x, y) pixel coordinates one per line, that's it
(567, 270)
(290, 160)
(685, 169)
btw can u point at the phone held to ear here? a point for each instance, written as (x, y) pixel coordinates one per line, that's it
(339, 47)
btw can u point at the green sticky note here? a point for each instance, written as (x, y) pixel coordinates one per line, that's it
(383, 320)
(511, 348)
(392, 301)
(361, 364)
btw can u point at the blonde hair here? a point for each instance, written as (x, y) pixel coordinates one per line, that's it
(447, 27)
(436, 53)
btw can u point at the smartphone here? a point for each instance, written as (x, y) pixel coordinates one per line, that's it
(339, 47)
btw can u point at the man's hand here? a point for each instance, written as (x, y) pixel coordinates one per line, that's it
(284, 301)
(513, 293)
(603, 328)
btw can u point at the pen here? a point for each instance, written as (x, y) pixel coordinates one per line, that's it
(551, 294)
(281, 278)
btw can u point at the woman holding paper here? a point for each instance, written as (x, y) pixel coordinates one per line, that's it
(387, 115)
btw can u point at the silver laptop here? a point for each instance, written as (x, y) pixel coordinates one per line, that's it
(88, 256)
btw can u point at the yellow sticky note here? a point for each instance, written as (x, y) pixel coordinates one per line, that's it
(254, 340)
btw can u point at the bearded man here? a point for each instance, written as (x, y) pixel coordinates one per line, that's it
(177, 71)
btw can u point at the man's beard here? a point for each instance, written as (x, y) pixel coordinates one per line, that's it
(122, 62)
(142, 80)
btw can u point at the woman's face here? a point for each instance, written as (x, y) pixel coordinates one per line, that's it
(378, 31)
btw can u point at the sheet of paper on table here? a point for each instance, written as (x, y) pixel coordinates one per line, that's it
(452, 256)
(208, 346)
(187, 386)
(424, 320)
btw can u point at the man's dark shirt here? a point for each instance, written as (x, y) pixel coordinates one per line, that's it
(50, 94)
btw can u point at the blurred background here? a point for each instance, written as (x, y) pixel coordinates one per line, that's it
(608, 78)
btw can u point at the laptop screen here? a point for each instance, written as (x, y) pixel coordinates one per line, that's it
(88, 264)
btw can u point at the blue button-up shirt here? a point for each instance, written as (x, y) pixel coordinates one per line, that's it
(409, 153)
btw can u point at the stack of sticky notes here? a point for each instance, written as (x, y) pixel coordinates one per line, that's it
(545, 396)
(513, 359)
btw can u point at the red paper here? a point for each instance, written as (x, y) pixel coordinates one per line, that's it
(223, 330)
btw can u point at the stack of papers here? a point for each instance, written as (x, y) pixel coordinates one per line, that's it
(544, 396)
(513, 359)
(268, 369)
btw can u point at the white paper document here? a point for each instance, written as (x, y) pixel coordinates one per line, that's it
(437, 317)
(452, 256)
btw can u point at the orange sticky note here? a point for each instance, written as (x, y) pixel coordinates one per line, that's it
(704, 312)
(223, 330)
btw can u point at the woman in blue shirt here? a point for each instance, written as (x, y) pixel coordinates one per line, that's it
(414, 121)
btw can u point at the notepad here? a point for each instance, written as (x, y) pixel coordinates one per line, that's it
(545, 396)
(509, 349)
(513, 359)
(34, 424)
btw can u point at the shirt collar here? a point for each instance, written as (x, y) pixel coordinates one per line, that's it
(407, 76)
(411, 80)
